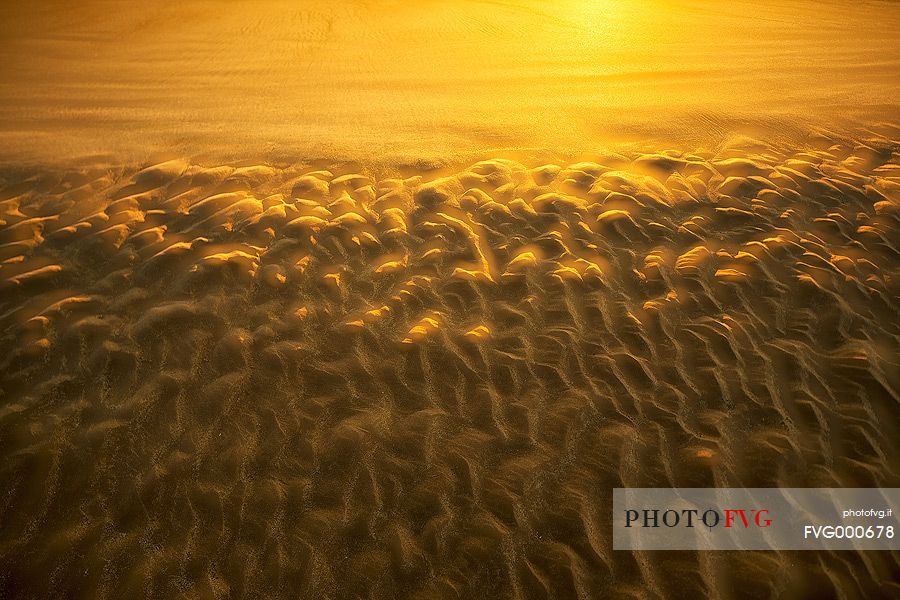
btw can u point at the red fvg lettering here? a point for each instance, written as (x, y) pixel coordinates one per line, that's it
(756, 515)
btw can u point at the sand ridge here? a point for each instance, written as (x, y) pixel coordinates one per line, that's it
(319, 380)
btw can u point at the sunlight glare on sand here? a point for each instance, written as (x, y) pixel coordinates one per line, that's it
(378, 78)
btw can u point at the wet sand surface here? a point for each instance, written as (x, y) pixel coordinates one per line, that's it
(383, 300)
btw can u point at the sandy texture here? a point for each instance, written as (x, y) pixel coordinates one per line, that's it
(381, 299)
(325, 382)
(141, 82)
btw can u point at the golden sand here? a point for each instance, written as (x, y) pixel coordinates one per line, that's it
(337, 383)
(385, 79)
(382, 299)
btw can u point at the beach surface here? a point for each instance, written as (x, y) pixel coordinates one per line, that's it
(383, 79)
(383, 299)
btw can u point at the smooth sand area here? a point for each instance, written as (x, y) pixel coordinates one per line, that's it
(383, 79)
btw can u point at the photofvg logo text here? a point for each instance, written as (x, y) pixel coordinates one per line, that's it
(754, 518)
(691, 517)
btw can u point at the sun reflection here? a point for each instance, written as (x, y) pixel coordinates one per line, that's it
(435, 77)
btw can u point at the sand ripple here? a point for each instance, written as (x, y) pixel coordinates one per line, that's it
(319, 381)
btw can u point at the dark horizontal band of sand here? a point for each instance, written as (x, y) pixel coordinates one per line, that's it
(321, 381)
